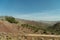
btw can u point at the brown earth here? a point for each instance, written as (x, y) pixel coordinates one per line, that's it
(12, 28)
(7, 27)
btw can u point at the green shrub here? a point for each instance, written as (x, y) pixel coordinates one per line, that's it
(31, 27)
(10, 19)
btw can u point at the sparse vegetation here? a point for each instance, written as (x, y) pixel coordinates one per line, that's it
(31, 27)
(26, 27)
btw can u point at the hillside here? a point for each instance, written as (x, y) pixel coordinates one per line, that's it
(17, 29)
(26, 26)
(7, 27)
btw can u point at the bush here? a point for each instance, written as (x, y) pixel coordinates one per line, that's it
(10, 19)
(31, 27)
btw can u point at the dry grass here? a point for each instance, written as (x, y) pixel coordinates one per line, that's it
(10, 31)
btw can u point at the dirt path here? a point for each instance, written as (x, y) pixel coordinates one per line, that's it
(33, 35)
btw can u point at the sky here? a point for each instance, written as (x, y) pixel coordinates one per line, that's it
(47, 10)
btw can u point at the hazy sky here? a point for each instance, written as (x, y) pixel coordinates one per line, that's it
(31, 9)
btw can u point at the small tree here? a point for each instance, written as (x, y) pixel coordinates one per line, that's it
(10, 19)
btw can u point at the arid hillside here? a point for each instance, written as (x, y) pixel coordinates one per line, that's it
(15, 26)
(23, 26)
(7, 27)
